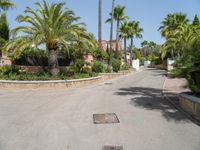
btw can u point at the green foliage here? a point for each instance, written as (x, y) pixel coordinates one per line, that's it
(101, 55)
(188, 66)
(155, 59)
(79, 64)
(5, 5)
(7, 70)
(142, 61)
(4, 28)
(116, 64)
(125, 67)
(97, 67)
(138, 55)
(87, 69)
(196, 21)
(71, 71)
(54, 26)
(107, 69)
(16, 73)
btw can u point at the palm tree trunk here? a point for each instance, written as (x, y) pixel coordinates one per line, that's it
(125, 50)
(111, 33)
(100, 23)
(53, 61)
(117, 40)
(131, 51)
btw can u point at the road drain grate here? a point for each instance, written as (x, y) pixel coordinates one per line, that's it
(107, 118)
(112, 148)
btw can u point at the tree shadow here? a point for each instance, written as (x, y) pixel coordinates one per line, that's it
(153, 100)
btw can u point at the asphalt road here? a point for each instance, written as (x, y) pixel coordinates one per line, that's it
(62, 119)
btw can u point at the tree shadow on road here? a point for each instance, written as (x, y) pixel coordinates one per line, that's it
(152, 99)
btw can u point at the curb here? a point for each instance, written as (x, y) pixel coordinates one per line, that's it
(57, 84)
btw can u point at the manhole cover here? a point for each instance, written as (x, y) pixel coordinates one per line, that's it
(105, 118)
(108, 83)
(112, 148)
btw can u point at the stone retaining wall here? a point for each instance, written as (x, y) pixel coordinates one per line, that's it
(58, 84)
(191, 104)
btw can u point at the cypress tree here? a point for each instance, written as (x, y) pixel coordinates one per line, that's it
(4, 31)
(196, 21)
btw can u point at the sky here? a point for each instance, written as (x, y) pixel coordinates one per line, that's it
(150, 13)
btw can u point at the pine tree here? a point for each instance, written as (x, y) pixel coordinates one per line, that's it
(196, 21)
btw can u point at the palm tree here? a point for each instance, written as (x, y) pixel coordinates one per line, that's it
(100, 23)
(169, 26)
(183, 37)
(124, 33)
(171, 23)
(51, 26)
(5, 4)
(119, 17)
(111, 33)
(134, 32)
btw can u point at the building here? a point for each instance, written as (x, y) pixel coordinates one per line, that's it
(105, 45)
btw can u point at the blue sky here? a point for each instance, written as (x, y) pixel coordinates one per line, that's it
(150, 13)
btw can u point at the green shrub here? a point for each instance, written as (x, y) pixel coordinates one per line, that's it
(71, 71)
(125, 67)
(188, 66)
(97, 67)
(155, 59)
(79, 64)
(87, 69)
(6, 70)
(107, 69)
(116, 64)
(142, 61)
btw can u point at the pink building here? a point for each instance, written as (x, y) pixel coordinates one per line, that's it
(106, 45)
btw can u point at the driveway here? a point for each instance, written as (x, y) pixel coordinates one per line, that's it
(63, 119)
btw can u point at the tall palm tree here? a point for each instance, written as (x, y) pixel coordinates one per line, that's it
(111, 32)
(124, 33)
(171, 23)
(51, 25)
(5, 4)
(100, 23)
(169, 26)
(134, 32)
(119, 17)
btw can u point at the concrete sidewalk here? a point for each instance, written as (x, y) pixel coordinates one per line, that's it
(172, 87)
(175, 85)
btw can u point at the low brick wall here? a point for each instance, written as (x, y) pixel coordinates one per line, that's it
(58, 84)
(191, 104)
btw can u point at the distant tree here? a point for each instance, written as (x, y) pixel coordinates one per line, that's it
(196, 21)
(111, 32)
(4, 31)
(134, 32)
(124, 34)
(119, 17)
